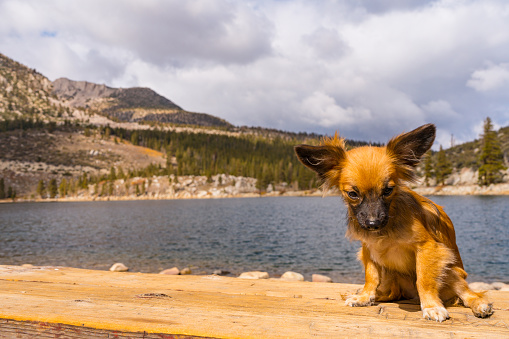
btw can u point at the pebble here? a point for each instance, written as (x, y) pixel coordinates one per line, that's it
(254, 275)
(292, 276)
(119, 267)
(320, 278)
(171, 271)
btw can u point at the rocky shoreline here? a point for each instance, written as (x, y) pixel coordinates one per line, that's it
(295, 276)
(231, 192)
(169, 187)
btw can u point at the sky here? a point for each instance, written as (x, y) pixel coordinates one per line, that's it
(368, 69)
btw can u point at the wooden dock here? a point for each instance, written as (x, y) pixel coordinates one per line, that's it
(51, 302)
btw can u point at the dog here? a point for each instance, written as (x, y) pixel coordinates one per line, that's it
(409, 246)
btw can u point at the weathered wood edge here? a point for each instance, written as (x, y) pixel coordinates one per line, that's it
(10, 328)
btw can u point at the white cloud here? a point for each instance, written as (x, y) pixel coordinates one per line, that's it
(490, 78)
(329, 113)
(369, 69)
(326, 43)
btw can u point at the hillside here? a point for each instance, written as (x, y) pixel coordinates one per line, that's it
(26, 93)
(129, 104)
(101, 142)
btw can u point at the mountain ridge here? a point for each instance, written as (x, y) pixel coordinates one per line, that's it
(134, 104)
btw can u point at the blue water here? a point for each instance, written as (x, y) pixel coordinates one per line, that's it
(302, 234)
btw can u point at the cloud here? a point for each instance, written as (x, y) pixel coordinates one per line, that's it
(368, 69)
(326, 43)
(492, 77)
(330, 113)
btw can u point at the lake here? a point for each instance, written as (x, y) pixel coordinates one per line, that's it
(273, 234)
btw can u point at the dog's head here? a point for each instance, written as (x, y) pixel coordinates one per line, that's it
(368, 177)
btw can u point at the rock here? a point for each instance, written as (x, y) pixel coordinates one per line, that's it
(292, 276)
(480, 286)
(254, 275)
(185, 271)
(171, 271)
(119, 267)
(320, 278)
(499, 285)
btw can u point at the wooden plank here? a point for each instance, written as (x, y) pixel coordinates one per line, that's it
(141, 305)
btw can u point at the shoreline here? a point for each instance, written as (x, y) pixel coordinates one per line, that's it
(446, 190)
(289, 275)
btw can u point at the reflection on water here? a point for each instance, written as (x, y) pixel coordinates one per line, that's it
(305, 235)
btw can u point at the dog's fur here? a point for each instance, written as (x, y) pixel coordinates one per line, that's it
(408, 242)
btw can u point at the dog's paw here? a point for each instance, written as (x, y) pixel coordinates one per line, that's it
(482, 309)
(437, 313)
(360, 300)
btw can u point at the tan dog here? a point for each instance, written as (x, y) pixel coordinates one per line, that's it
(408, 242)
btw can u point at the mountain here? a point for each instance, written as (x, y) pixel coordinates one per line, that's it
(24, 92)
(137, 104)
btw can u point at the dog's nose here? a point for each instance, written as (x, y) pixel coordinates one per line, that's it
(373, 223)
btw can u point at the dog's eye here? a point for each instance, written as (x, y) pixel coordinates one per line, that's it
(388, 191)
(353, 195)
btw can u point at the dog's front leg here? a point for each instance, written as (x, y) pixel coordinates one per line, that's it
(432, 260)
(372, 273)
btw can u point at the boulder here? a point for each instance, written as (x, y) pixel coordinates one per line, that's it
(320, 278)
(254, 275)
(171, 271)
(119, 267)
(292, 276)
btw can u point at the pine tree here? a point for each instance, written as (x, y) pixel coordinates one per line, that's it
(442, 167)
(62, 189)
(11, 193)
(2, 189)
(120, 174)
(491, 158)
(113, 174)
(84, 181)
(41, 189)
(52, 188)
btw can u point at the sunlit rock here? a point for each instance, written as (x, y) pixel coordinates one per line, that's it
(254, 275)
(320, 278)
(171, 271)
(119, 267)
(292, 276)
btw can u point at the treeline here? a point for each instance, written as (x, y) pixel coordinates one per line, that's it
(102, 185)
(485, 155)
(271, 161)
(31, 123)
(10, 193)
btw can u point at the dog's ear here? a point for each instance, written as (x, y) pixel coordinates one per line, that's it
(321, 159)
(407, 149)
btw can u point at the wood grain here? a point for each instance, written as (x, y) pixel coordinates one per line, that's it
(74, 303)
